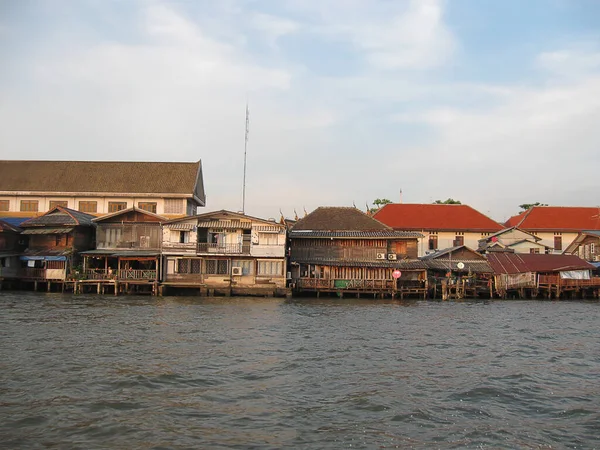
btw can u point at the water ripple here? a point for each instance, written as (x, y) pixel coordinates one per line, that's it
(161, 373)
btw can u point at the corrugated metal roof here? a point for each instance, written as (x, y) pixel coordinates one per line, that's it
(180, 226)
(5, 227)
(229, 224)
(353, 234)
(15, 221)
(123, 253)
(47, 230)
(60, 216)
(532, 262)
(469, 266)
(406, 264)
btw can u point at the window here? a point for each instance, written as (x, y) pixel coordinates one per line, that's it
(459, 240)
(270, 268)
(267, 238)
(557, 242)
(174, 206)
(217, 266)
(29, 205)
(88, 207)
(184, 237)
(245, 265)
(4, 205)
(54, 203)
(116, 206)
(433, 242)
(534, 250)
(148, 206)
(188, 265)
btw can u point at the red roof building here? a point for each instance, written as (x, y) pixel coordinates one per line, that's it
(557, 218)
(443, 225)
(416, 216)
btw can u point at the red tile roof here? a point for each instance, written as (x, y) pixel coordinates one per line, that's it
(532, 262)
(557, 218)
(406, 216)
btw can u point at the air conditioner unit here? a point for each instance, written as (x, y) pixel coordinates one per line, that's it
(391, 256)
(380, 255)
(236, 271)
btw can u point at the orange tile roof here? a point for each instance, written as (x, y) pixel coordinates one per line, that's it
(557, 218)
(406, 216)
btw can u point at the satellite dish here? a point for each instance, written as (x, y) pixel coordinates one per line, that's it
(460, 265)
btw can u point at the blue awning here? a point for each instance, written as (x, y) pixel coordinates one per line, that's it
(42, 258)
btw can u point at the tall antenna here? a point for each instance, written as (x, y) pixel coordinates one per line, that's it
(245, 151)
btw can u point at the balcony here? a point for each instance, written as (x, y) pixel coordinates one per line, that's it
(224, 249)
(188, 247)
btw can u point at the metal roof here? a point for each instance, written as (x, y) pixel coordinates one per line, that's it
(235, 224)
(47, 230)
(535, 262)
(407, 264)
(353, 234)
(178, 226)
(118, 253)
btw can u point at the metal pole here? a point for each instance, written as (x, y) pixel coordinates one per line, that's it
(245, 152)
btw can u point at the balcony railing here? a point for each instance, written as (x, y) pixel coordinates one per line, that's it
(354, 284)
(228, 249)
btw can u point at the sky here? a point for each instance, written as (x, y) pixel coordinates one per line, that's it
(491, 103)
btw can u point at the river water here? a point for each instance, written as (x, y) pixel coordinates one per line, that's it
(85, 372)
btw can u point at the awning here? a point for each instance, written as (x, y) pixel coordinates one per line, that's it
(47, 230)
(43, 258)
(235, 224)
(180, 226)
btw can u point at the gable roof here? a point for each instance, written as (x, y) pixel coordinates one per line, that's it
(535, 262)
(339, 218)
(59, 216)
(563, 218)
(580, 238)
(344, 223)
(448, 251)
(419, 216)
(509, 230)
(229, 214)
(103, 176)
(6, 227)
(127, 211)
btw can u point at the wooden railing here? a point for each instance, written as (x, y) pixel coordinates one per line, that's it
(205, 247)
(29, 272)
(353, 284)
(564, 282)
(131, 274)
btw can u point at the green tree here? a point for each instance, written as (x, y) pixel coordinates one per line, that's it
(448, 201)
(526, 206)
(379, 203)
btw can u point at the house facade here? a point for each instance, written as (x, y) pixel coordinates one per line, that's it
(55, 241)
(557, 226)
(227, 252)
(586, 245)
(343, 250)
(12, 245)
(127, 249)
(513, 240)
(30, 188)
(442, 226)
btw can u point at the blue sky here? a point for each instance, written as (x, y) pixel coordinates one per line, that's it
(493, 103)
